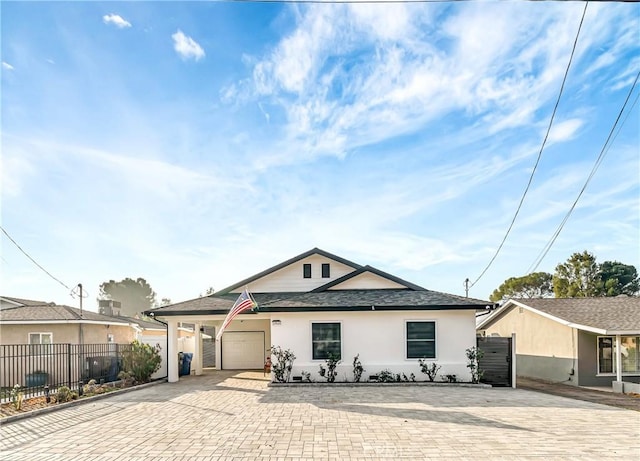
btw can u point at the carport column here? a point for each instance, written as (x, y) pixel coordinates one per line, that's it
(197, 353)
(618, 359)
(172, 351)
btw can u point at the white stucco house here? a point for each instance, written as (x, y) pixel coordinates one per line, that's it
(318, 303)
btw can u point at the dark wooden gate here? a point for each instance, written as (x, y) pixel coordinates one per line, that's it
(496, 361)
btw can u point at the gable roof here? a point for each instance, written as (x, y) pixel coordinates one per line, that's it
(363, 270)
(54, 313)
(286, 263)
(603, 315)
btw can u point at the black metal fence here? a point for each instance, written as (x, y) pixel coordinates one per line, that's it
(34, 366)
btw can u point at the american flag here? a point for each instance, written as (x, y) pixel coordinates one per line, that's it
(243, 303)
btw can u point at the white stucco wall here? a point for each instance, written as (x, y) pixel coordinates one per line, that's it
(379, 338)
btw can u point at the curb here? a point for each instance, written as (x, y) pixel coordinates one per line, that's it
(396, 384)
(62, 406)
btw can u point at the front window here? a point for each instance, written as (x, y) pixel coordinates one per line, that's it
(421, 340)
(40, 342)
(326, 340)
(629, 353)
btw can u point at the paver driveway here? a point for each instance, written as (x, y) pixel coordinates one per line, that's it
(227, 416)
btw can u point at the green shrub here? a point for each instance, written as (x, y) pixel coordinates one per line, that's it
(330, 372)
(385, 376)
(283, 364)
(357, 369)
(65, 394)
(142, 361)
(429, 369)
(473, 357)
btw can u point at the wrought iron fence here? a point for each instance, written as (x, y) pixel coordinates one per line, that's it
(34, 366)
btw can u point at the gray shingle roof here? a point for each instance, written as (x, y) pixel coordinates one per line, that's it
(608, 314)
(24, 301)
(383, 299)
(52, 312)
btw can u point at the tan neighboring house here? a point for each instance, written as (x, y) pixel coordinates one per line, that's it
(579, 341)
(49, 323)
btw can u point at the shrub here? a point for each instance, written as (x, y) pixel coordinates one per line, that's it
(17, 396)
(330, 372)
(283, 364)
(65, 394)
(142, 361)
(357, 369)
(473, 356)
(306, 376)
(385, 376)
(450, 378)
(429, 369)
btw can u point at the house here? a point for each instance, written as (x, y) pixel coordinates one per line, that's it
(318, 303)
(579, 341)
(35, 322)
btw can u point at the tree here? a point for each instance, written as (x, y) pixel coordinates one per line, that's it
(619, 279)
(209, 292)
(164, 302)
(135, 295)
(535, 285)
(579, 277)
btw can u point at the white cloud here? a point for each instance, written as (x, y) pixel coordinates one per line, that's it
(6, 66)
(566, 130)
(187, 47)
(116, 20)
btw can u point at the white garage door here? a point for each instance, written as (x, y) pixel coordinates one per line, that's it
(243, 350)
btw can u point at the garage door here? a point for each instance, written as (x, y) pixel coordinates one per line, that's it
(243, 350)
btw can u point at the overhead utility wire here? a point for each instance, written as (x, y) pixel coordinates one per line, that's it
(601, 156)
(33, 260)
(544, 142)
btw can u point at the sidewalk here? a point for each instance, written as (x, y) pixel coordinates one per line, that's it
(581, 393)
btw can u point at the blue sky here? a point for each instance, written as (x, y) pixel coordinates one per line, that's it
(195, 144)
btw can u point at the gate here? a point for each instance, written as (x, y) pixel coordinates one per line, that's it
(496, 361)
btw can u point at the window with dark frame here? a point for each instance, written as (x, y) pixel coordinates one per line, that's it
(421, 340)
(629, 354)
(306, 271)
(326, 340)
(326, 271)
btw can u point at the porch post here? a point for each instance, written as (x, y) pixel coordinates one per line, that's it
(618, 361)
(172, 351)
(197, 353)
(218, 348)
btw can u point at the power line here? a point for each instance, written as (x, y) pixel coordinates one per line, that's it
(369, 2)
(33, 260)
(544, 142)
(601, 156)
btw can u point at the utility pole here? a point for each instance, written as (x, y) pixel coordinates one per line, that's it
(466, 287)
(80, 288)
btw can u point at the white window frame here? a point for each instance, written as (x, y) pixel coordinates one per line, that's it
(39, 348)
(406, 339)
(613, 352)
(311, 323)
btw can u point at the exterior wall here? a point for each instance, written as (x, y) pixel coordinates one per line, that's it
(588, 363)
(64, 333)
(290, 278)
(545, 349)
(379, 338)
(366, 281)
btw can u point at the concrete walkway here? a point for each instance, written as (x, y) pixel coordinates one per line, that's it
(581, 393)
(223, 415)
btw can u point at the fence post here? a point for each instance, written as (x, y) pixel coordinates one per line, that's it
(69, 365)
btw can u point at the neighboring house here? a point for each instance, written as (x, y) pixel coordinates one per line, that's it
(49, 323)
(579, 341)
(38, 325)
(318, 303)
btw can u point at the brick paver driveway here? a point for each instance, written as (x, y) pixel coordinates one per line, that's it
(227, 416)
